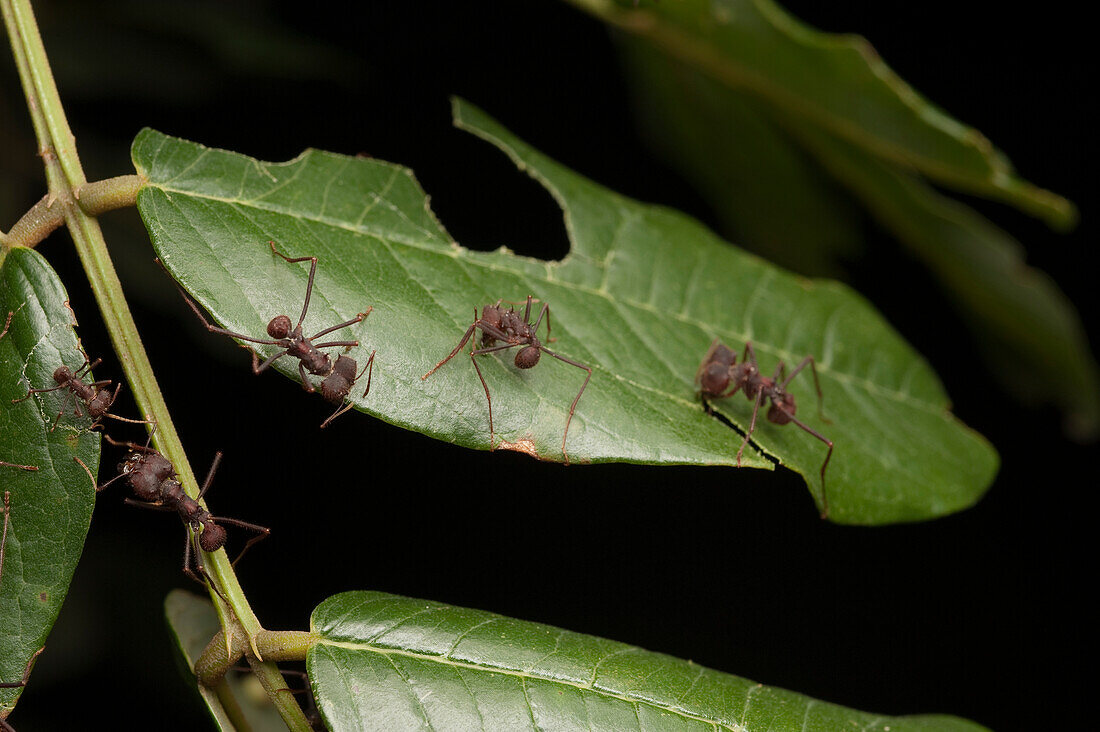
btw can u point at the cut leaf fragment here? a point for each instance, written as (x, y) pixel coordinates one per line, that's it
(639, 298)
(51, 508)
(388, 662)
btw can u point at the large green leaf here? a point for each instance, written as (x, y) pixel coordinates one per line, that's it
(51, 508)
(388, 662)
(773, 172)
(642, 293)
(194, 622)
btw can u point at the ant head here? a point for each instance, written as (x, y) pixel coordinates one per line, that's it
(782, 408)
(62, 375)
(527, 357)
(212, 537)
(715, 378)
(279, 327)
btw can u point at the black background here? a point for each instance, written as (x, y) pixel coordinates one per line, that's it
(978, 614)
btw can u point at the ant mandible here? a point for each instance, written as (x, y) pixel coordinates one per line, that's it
(153, 479)
(337, 380)
(720, 371)
(30, 662)
(498, 324)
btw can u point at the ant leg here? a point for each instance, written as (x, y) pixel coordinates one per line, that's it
(151, 505)
(26, 674)
(370, 365)
(752, 425)
(309, 283)
(827, 441)
(266, 364)
(545, 311)
(817, 383)
(327, 344)
(262, 533)
(17, 465)
(4, 535)
(488, 398)
(210, 475)
(91, 477)
(306, 383)
(32, 392)
(357, 319)
(205, 578)
(206, 323)
(573, 406)
(461, 343)
(7, 323)
(86, 368)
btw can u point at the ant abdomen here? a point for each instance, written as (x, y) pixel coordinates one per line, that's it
(279, 327)
(527, 357)
(336, 385)
(715, 378)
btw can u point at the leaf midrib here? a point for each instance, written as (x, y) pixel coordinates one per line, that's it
(387, 652)
(457, 251)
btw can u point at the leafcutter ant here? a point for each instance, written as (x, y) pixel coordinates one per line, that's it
(153, 479)
(338, 377)
(720, 376)
(30, 662)
(96, 395)
(498, 324)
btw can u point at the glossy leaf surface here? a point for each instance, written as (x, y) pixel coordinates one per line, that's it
(51, 508)
(640, 297)
(388, 662)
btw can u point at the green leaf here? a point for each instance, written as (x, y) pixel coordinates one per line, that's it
(388, 662)
(193, 622)
(772, 172)
(51, 508)
(641, 295)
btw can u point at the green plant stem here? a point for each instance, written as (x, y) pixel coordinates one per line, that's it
(276, 645)
(93, 198)
(65, 177)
